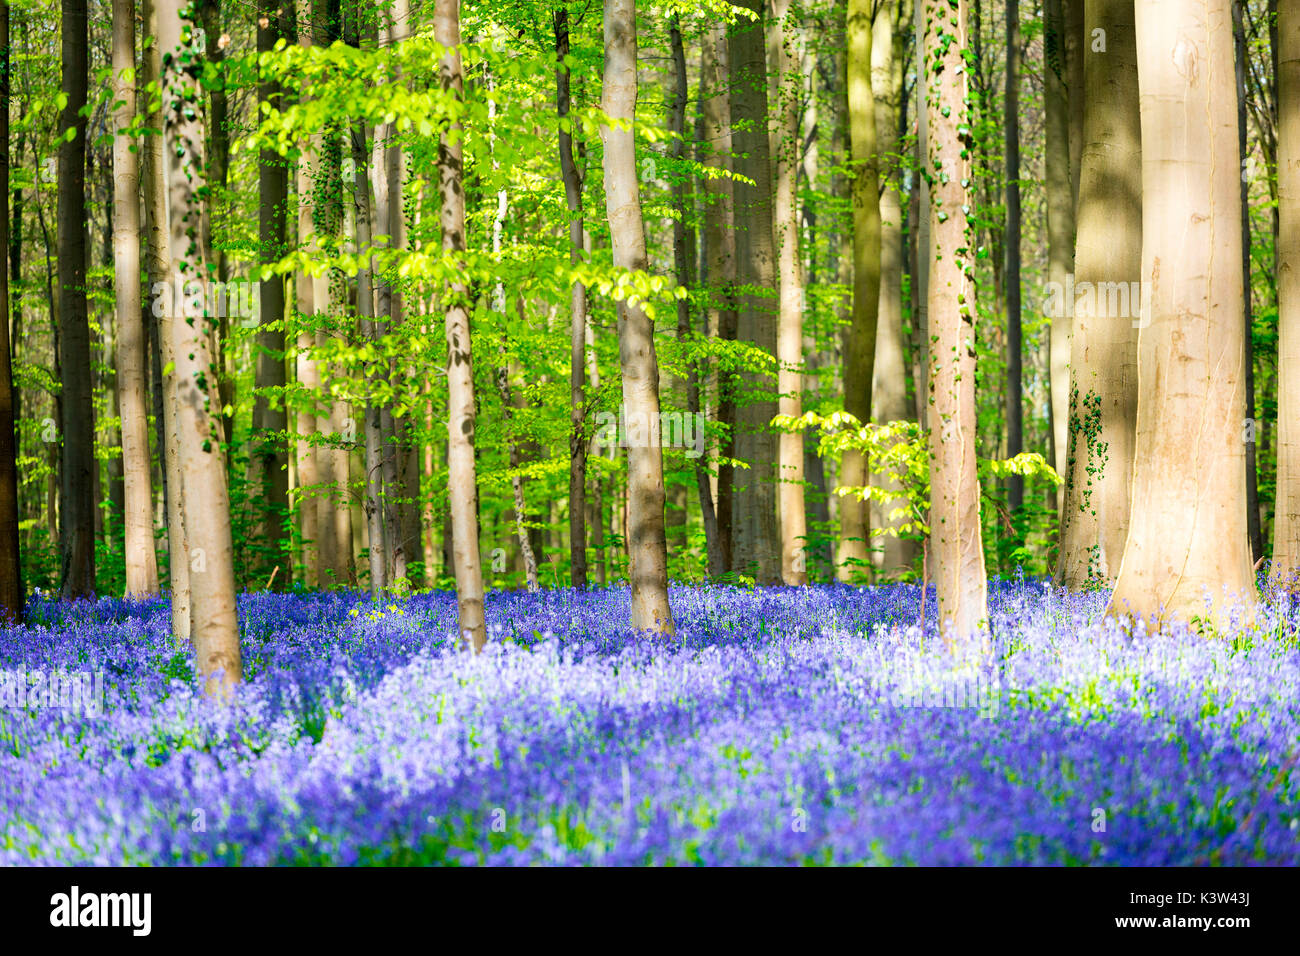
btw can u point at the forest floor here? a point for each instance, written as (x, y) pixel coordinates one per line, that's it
(814, 725)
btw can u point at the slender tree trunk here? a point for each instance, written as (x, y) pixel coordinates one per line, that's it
(720, 243)
(461, 483)
(311, 514)
(1187, 540)
(214, 627)
(889, 388)
(516, 479)
(160, 277)
(270, 418)
(921, 275)
(141, 561)
(647, 546)
(1011, 127)
(782, 28)
(1104, 372)
(577, 312)
(78, 464)
(859, 342)
(756, 548)
(1060, 218)
(1286, 528)
(686, 258)
(11, 577)
(954, 488)
(1243, 152)
(370, 330)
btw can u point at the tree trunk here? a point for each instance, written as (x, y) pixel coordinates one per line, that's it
(311, 513)
(756, 549)
(78, 464)
(160, 278)
(889, 388)
(214, 627)
(1104, 343)
(370, 330)
(720, 245)
(270, 418)
(647, 546)
(577, 313)
(11, 577)
(1243, 152)
(1286, 527)
(954, 488)
(782, 28)
(1078, 42)
(461, 484)
(1187, 540)
(1060, 218)
(859, 339)
(1011, 146)
(921, 276)
(516, 479)
(141, 561)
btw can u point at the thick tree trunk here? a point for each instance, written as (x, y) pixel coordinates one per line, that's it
(647, 546)
(11, 577)
(214, 627)
(1078, 43)
(782, 29)
(720, 246)
(78, 464)
(954, 488)
(1187, 539)
(160, 276)
(755, 546)
(1286, 518)
(1104, 343)
(461, 484)
(270, 418)
(141, 561)
(1060, 218)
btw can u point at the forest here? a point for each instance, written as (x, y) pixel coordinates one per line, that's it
(530, 431)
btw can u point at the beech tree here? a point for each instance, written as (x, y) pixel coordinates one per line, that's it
(647, 545)
(955, 536)
(214, 629)
(859, 345)
(755, 547)
(1106, 302)
(790, 297)
(141, 561)
(77, 428)
(460, 371)
(1286, 536)
(11, 580)
(1187, 544)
